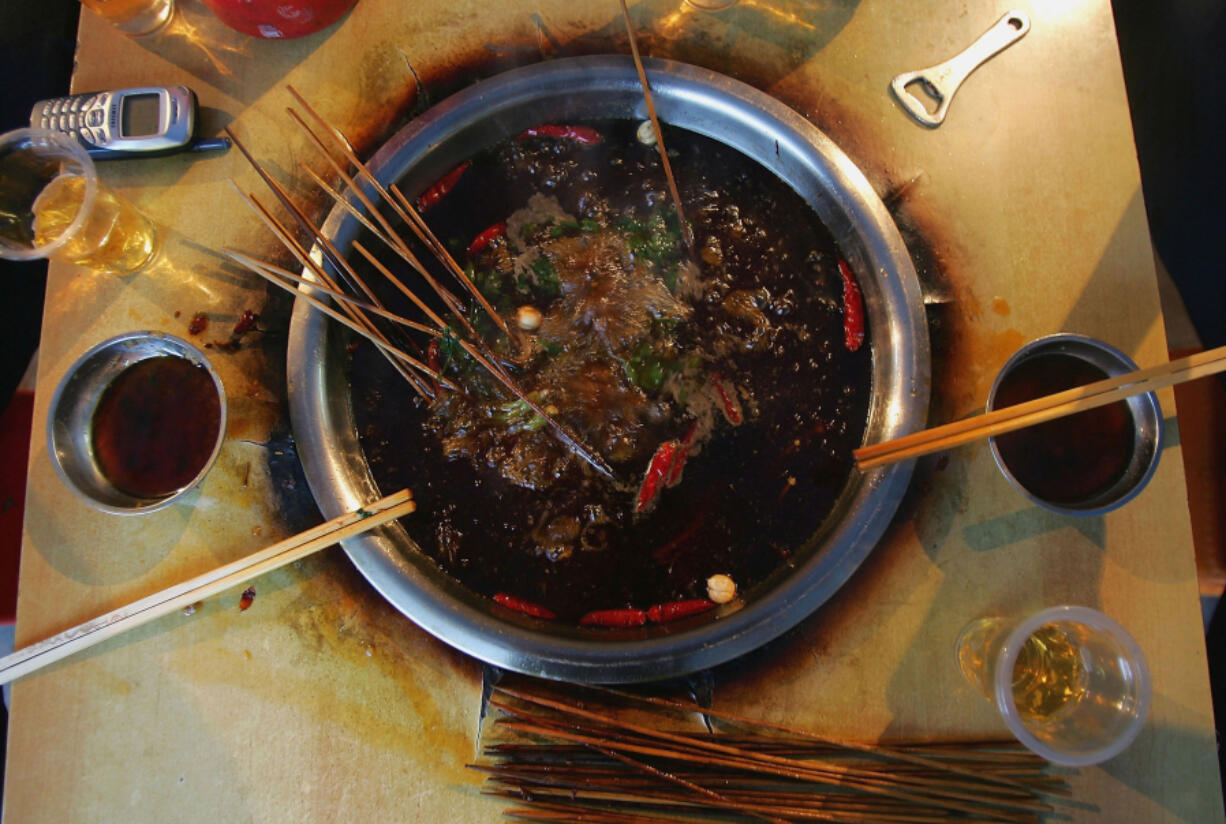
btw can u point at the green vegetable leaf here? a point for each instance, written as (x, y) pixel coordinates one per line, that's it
(548, 283)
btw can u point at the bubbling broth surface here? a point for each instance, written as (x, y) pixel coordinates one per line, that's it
(720, 390)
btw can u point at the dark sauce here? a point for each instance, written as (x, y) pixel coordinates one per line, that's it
(1067, 460)
(756, 492)
(156, 426)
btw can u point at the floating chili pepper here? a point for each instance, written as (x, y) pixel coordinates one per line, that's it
(441, 187)
(732, 406)
(614, 618)
(245, 322)
(674, 610)
(486, 238)
(526, 607)
(853, 310)
(659, 472)
(199, 323)
(247, 599)
(581, 134)
(683, 453)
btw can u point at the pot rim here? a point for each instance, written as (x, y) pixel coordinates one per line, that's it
(778, 138)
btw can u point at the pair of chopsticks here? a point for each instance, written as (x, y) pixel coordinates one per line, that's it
(1049, 407)
(36, 656)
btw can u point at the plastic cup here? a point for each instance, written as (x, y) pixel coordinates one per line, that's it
(1070, 683)
(134, 18)
(52, 205)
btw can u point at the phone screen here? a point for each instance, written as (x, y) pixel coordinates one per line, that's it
(139, 115)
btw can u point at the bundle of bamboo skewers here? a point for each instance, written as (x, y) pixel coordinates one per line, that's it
(357, 306)
(601, 760)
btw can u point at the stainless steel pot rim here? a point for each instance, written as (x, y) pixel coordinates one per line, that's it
(757, 125)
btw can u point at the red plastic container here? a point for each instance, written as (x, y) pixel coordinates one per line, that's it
(279, 19)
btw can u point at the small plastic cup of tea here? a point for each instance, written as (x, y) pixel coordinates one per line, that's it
(54, 206)
(1070, 683)
(1083, 464)
(135, 18)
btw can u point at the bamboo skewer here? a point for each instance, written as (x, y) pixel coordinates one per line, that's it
(885, 752)
(296, 280)
(357, 321)
(599, 767)
(1039, 410)
(948, 794)
(82, 636)
(686, 234)
(480, 351)
(304, 257)
(404, 210)
(711, 745)
(315, 302)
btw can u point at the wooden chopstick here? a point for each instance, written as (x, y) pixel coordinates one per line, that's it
(1039, 410)
(41, 654)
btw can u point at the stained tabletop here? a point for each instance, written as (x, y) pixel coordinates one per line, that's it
(1023, 213)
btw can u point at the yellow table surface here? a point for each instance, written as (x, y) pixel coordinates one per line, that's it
(321, 703)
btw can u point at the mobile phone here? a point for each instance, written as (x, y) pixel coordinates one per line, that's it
(141, 122)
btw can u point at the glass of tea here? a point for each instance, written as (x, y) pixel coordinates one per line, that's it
(1070, 682)
(1083, 464)
(134, 18)
(52, 205)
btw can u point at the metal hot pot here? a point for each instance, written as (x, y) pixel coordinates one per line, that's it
(780, 140)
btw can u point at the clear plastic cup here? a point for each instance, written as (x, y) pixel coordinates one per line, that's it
(52, 205)
(135, 18)
(1070, 683)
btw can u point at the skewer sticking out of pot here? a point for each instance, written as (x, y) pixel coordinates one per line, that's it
(362, 300)
(658, 136)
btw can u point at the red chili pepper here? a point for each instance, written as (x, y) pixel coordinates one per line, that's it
(659, 471)
(614, 618)
(247, 599)
(441, 187)
(675, 610)
(486, 238)
(582, 134)
(433, 358)
(245, 322)
(199, 323)
(732, 406)
(526, 607)
(683, 454)
(853, 310)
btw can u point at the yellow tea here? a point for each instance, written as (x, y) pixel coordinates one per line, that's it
(1049, 674)
(133, 17)
(115, 236)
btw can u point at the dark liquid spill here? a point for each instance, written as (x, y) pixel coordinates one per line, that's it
(156, 425)
(1068, 460)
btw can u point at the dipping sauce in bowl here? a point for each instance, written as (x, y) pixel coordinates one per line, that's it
(1085, 463)
(156, 425)
(137, 422)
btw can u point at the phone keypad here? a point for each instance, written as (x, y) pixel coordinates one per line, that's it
(83, 117)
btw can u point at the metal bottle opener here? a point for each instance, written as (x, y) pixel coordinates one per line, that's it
(942, 80)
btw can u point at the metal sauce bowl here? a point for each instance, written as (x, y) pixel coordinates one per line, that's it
(69, 420)
(1146, 423)
(589, 88)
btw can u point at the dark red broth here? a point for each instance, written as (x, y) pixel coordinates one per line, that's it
(502, 508)
(156, 425)
(1067, 460)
